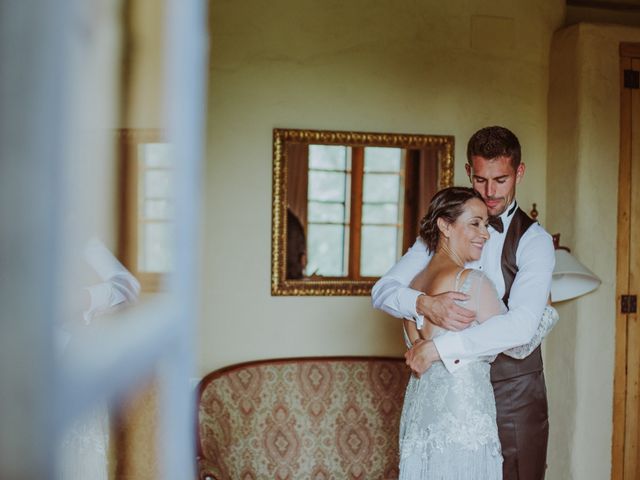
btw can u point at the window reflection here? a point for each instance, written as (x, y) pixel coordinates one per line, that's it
(328, 210)
(331, 206)
(382, 210)
(155, 208)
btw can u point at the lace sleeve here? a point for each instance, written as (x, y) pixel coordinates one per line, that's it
(484, 298)
(485, 302)
(548, 321)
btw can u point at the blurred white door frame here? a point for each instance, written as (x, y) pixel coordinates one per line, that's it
(37, 400)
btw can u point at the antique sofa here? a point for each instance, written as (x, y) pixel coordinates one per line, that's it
(301, 418)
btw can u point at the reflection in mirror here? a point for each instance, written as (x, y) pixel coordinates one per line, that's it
(155, 199)
(147, 215)
(346, 205)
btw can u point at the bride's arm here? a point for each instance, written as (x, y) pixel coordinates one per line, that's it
(484, 298)
(414, 334)
(549, 320)
(411, 332)
(489, 305)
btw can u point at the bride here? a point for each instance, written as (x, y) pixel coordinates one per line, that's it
(448, 426)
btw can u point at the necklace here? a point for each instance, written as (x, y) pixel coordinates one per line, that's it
(451, 254)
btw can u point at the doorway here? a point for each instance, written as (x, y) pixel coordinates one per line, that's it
(626, 401)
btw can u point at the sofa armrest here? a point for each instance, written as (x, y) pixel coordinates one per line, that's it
(206, 470)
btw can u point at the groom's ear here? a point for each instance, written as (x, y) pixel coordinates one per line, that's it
(520, 172)
(467, 167)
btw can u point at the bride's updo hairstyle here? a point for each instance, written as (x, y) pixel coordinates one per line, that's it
(447, 204)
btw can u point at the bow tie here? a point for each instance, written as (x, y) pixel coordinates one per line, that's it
(496, 223)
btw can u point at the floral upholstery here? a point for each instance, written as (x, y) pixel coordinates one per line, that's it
(306, 418)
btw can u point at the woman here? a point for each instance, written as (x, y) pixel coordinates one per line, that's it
(448, 426)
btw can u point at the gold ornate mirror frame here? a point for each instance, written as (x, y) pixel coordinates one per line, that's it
(440, 147)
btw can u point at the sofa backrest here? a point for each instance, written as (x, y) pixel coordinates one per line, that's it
(302, 418)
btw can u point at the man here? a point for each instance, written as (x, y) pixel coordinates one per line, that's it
(519, 259)
(296, 247)
(84, 447)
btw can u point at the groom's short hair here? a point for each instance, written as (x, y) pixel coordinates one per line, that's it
(493, 142)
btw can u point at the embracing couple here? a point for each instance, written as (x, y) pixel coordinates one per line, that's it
(476, 408)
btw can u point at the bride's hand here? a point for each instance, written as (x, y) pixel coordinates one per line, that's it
(421, 356)
(443, 311)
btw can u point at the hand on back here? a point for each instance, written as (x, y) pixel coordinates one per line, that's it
(443, 311)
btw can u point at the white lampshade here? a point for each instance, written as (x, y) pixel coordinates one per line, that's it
(571, 278)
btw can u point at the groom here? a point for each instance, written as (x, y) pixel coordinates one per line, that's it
(519, 259)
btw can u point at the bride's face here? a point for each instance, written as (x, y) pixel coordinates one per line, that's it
(468, 234)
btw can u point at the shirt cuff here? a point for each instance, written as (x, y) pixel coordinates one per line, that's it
(103, 297)
(447, 346)
(409, 296)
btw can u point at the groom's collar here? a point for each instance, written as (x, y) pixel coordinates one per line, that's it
(507, 215)
(509, 211)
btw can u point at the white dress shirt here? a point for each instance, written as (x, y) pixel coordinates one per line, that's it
(535, 259)
(118, 288)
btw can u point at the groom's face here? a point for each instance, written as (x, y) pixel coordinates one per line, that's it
(495, 179)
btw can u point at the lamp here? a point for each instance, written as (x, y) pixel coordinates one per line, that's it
(570, 279)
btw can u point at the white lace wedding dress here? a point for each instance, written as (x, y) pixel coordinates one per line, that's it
(448, 426)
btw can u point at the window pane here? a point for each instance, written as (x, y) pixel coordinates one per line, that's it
(328, 157)
(327, 186)
(157, 183)
(378, 250)
(325, 212)
(376, 213)
(154, 154)
(154, 246)
(379, 187)
(382, 159)
(325, 250)
(157, 210)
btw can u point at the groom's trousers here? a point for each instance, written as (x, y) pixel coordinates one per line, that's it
(522, 417)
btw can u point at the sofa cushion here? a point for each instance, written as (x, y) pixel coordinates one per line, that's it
(302, 418)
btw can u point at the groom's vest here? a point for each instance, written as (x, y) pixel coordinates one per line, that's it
(505, 367)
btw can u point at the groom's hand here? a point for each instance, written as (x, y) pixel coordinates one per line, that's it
(421, 356)
(443, 311)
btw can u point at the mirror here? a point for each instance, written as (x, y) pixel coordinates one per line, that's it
(347, 205)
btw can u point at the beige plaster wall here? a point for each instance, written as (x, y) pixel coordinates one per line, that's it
(585, 14)
(412, 67)
(145, 51)
(582, 181)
